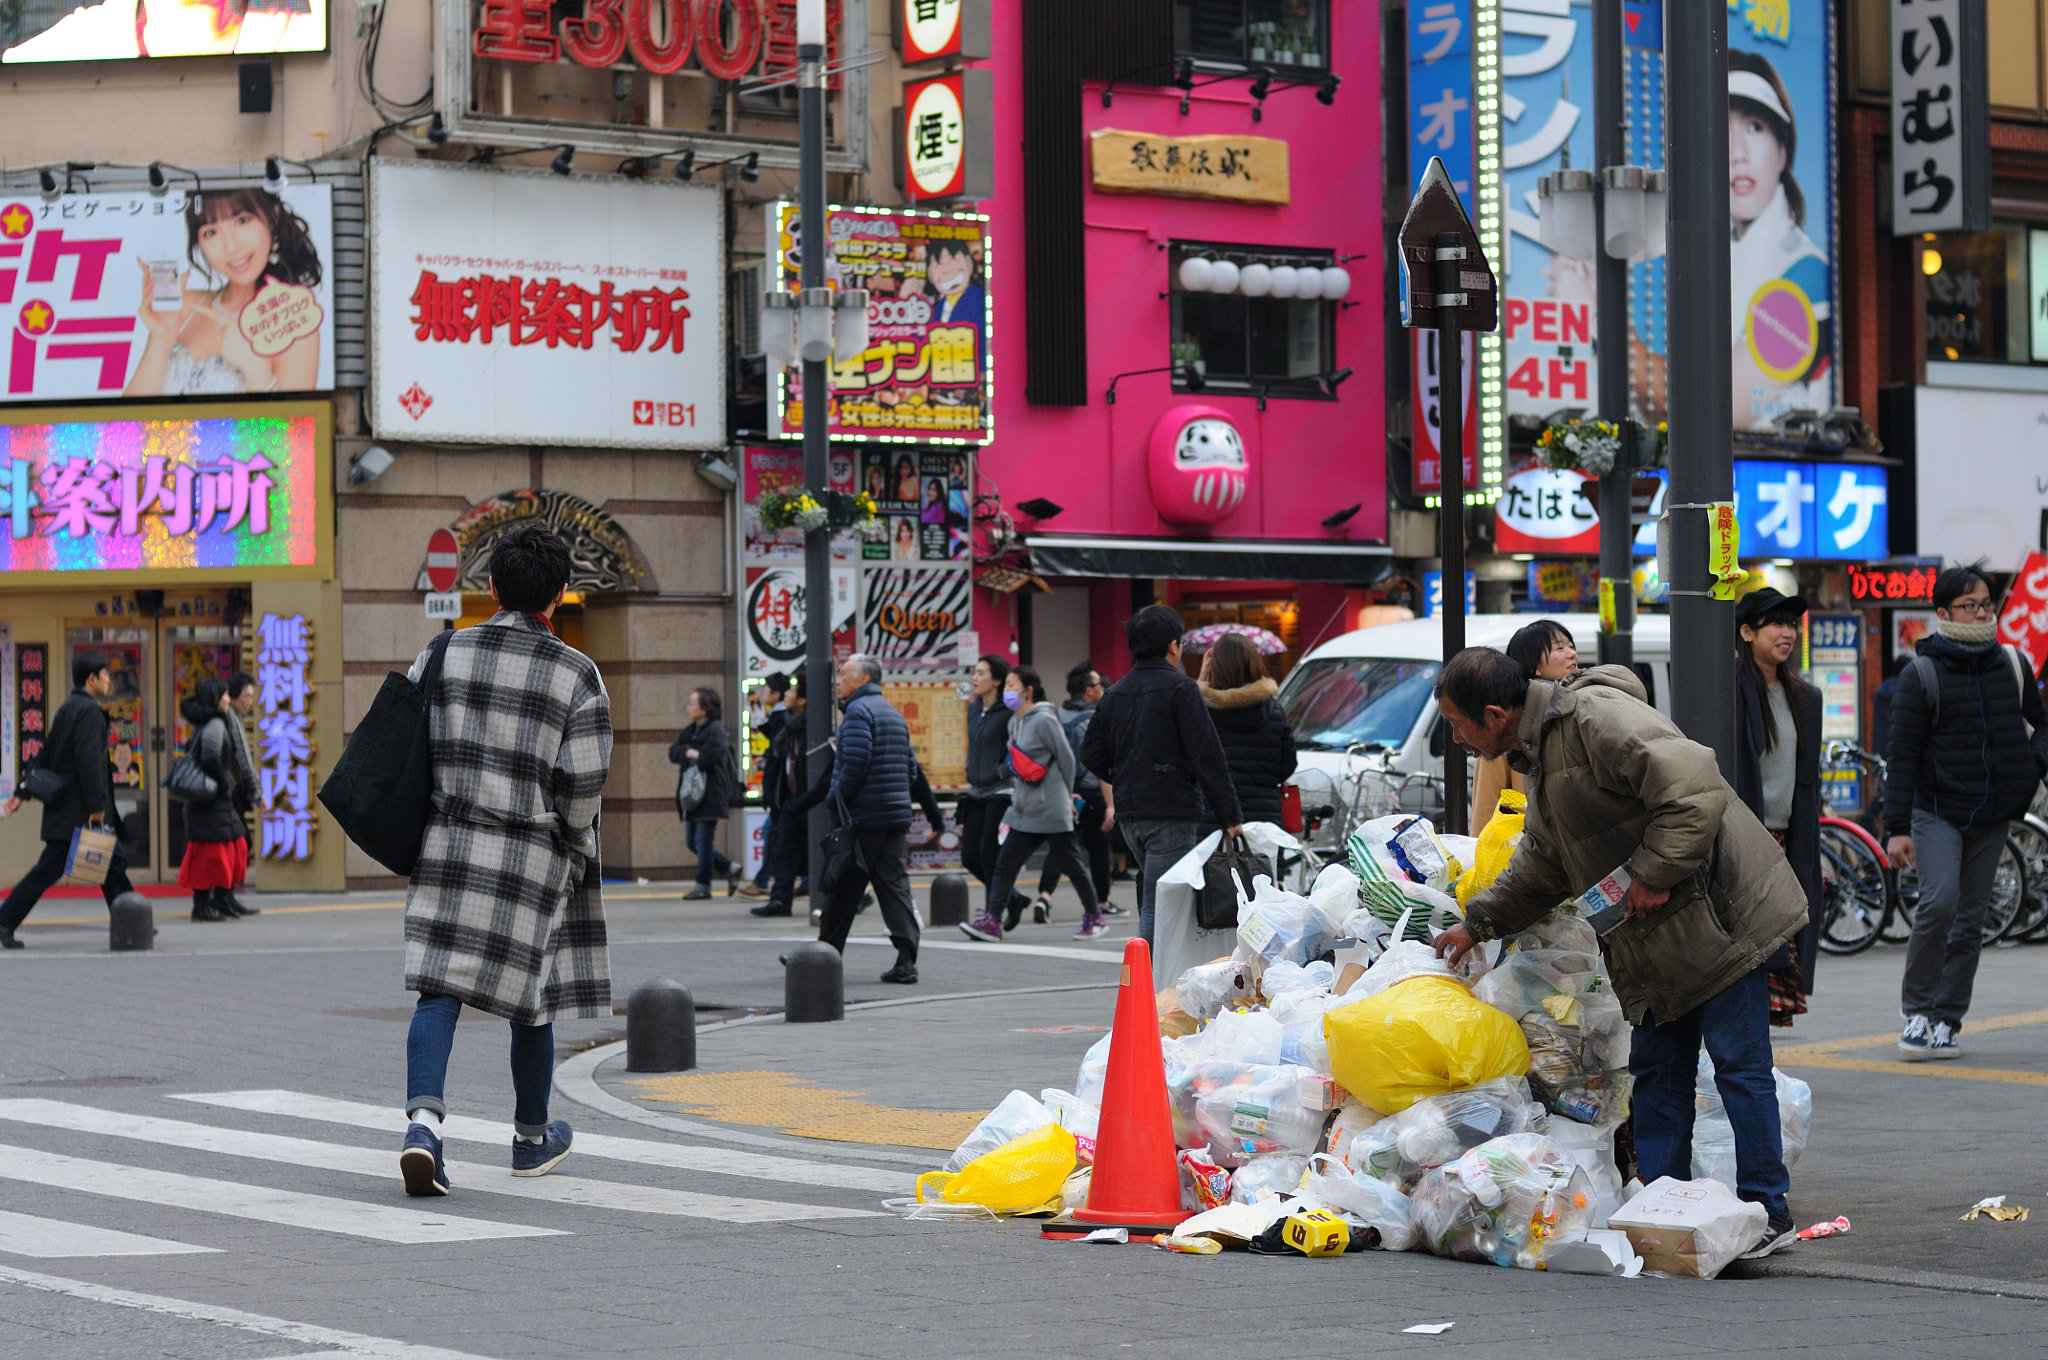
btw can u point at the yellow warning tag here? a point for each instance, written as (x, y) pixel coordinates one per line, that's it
(1724, 546)
(1607, 611)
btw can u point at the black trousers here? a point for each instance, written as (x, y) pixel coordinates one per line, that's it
(1061, 853)
(980, 821)
(1094, 842)
(884, 862)
(49, 867)
(787, 853)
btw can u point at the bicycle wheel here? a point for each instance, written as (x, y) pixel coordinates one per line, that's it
(1853, 893)
(2008, 893)
(2030, 840)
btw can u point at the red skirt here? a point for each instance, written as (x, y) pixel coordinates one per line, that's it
(213, 864)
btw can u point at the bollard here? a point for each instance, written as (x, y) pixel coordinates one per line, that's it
(949, 900)
(661, 1027)
(131, 923)
(813, 984)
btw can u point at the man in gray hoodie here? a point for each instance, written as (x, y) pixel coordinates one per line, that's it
(1042, 771)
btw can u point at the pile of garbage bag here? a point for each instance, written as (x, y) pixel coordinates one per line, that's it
(1332, 1062)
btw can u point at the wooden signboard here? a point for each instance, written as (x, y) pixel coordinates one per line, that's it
(1239, 169)
(937, 720)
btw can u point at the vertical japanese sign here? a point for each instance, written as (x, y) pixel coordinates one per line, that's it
(284, 744)
(8, 736)
(532, 308)
(949, 136)
(1440, 124)
(925, 375)
(207, 293)
(2023, 621)
(1941, 117)
(32, 698)
(772, 602)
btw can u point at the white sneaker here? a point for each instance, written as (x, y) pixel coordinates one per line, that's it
(1041, 909)
(1941, 1042)
(1916, 1041)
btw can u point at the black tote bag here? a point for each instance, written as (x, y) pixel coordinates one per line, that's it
(382, 788)
(1230, 864)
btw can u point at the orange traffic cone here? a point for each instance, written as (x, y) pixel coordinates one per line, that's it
(1136, 1182)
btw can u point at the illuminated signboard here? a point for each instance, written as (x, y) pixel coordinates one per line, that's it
(122, 29)
(1886, 584)
(284, 748)
(172, 494)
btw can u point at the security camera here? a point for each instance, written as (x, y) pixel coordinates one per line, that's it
(717, 471)
(369, 465)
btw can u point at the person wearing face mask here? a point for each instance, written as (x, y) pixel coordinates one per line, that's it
(1545, 651)
(1777, 770)
(988, 779)
(1969, 744)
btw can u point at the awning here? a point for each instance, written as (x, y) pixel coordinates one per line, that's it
(1229, 560)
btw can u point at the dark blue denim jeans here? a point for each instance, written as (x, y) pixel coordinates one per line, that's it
(703, 837)
(426, 1063)
(1735, 1026)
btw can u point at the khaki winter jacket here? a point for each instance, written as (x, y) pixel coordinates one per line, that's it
(1611, 782)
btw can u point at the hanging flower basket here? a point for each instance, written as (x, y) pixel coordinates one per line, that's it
(1589, 446)
(794, 507)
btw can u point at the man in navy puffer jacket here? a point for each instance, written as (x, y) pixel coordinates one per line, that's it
(871, 779)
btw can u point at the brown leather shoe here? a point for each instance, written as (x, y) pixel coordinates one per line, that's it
(753, 890)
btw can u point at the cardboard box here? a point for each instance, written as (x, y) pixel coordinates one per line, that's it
(1692, 1228)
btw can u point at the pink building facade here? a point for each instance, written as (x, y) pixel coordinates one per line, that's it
(1237, 470)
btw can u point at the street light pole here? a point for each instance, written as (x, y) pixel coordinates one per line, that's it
(818, 693)
(1702, 434)
(1610, 338)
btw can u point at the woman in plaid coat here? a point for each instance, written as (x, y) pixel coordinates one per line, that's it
(504, 912)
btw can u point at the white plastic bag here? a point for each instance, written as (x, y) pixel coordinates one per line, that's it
(1246, 1037)
(1379, 1204)
(1409, 958)
(1440, 1129)
(1095, 1071)
(1335, 894)
(1259, 1111)
(1077, 1116)
(1207, 989)
(1018, 1115)
(1713, 1138)
(1277, 1174)
(1504, 1202)
(1593, 1149)
(1277, 927)
(1294, 977)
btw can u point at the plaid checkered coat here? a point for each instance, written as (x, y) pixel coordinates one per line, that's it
(505, 909)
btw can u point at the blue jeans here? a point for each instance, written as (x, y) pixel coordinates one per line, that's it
(426, 1063)
(703, 837)
(1736, 1028)
(1958, 870)
(1159, 846)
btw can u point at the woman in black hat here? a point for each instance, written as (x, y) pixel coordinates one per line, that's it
(1777, 769)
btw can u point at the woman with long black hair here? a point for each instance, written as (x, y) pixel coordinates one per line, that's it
(1777, 769)
(704, 746)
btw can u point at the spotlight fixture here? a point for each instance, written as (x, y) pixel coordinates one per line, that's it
(1326, 93)
(437, 131)
(369, 465)
(751, 170)
(633, 167)
(51, 193)
(273, 175)
(1038, 507)
(686, 165)
(1330, 382)
(564, 162)
(1342, 516)
(158, 185)
(720, 473)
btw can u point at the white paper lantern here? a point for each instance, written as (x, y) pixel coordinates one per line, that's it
(1223, 277)
(1336, 281)
(1256, 280)
(1197, 273)
(1285, 280)
(1308, 282)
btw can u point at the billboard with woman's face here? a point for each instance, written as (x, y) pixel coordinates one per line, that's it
(56, 30)
(221, 293)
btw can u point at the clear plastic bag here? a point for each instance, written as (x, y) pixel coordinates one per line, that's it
(1382, 1206)
(1095, 1070)
(1278, 927)
(1277, 1174)
(1258, 1111)
(1713, 1138)
(1207, 989)
(1593, 1149)
(1077, 1116)
(1578, 1037)
(1018, 1115)
(1335, 895)
(1505, 1202)
(1561, 930)
(1280, 978)
(1353, 1118)
(1300, 1014)
(1440, 1129)
(1237, 1036)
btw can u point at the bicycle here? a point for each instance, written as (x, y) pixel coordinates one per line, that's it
(1859, 888)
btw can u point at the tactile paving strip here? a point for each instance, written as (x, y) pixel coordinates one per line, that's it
(790, 1103)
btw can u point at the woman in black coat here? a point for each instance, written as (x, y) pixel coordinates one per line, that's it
(703, 746)
(1258, 745)
(1777, 771)
(216, 840)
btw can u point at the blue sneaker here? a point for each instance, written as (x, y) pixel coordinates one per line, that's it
(420, 1162)
(1916, 1041)
(537, 1159)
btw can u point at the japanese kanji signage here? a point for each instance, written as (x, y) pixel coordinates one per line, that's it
(1941, 117)
(1813, 510)
(925, 375)
(171, 494)
(32, 698)
(192, 294)
(948, 130)
(1237, 169)
(284, 737)
(531, 308)
(928, 30)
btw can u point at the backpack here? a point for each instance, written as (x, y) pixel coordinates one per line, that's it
(1077, 732)
(1930, 685)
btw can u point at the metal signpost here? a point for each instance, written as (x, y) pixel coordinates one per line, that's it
(1451, 289)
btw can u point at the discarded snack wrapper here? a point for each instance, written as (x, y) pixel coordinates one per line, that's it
(1117, 1235)
(1997, 1209)
(1193, 1246)
(1834, 1229)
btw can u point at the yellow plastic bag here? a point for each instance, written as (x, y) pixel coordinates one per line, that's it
(1022, 1175)
(1494, 850)
(1419, 1038)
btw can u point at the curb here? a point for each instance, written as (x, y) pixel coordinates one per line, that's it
(576, 1079)
(1892, 1275)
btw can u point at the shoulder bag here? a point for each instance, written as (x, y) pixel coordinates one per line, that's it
(842, 851)
(382, 789)
(1228, 874)
(38, 780)
(690, 791)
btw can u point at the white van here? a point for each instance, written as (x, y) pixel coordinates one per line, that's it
(1364, 713)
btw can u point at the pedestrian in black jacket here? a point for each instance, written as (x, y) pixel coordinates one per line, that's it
(786, 789)
(216, 850)
(1257, 742)
(703, 746)
(1164, 778)
(988, 771)
(76, 751)
(775, 691)
(1960, 767)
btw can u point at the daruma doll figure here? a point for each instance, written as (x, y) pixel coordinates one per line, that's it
(1198, 465)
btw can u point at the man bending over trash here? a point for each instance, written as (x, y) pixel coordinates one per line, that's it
(1614, 785)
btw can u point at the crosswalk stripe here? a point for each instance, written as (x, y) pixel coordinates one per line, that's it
(646, 1152)
(378, 1222)
(300, 1333)
(27, 1235)
(497, 1180)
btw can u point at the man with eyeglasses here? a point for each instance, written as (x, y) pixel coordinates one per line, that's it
(1969, 745)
